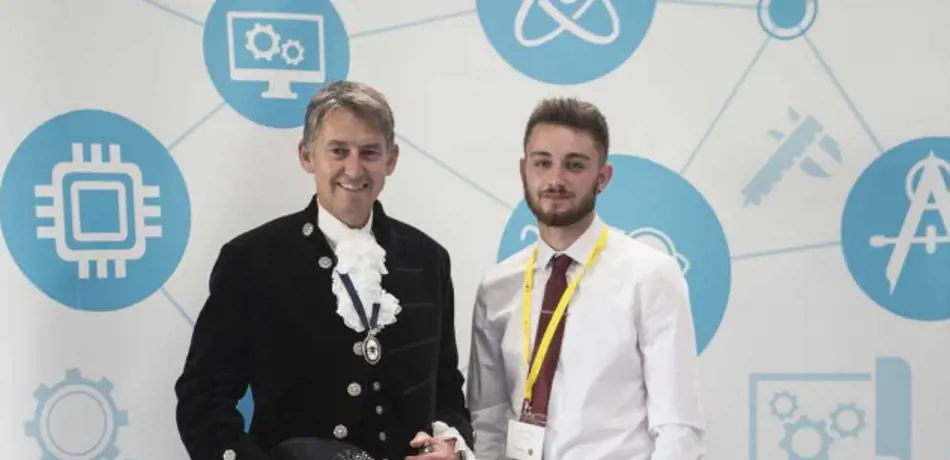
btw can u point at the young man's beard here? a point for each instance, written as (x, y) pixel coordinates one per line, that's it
(563, 218)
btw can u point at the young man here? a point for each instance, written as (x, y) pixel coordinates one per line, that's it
(339, 317)
(624, 383)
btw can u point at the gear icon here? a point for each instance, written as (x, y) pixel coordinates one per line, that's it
(805, 424)
(784, 405)
(297, 56)
(274, 38)
(847, 428)
(76, 389)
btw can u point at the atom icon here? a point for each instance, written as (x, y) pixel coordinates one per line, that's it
(566, 23)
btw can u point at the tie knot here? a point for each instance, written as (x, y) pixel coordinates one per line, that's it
(561, 262)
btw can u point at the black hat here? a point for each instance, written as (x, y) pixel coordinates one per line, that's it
(317, 449)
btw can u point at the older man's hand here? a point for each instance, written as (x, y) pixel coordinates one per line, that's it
(436, 449)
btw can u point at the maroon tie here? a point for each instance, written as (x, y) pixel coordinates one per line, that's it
(553, 291)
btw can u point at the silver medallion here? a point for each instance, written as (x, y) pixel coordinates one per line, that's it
(325, 262)
(371, 349)
(307, 229)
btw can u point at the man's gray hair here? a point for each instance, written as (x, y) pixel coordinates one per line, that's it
(360, 99)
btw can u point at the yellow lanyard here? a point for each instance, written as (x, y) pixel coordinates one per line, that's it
(542, 350)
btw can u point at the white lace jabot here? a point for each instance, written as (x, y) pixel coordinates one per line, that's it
(359, 255)
(363, 259)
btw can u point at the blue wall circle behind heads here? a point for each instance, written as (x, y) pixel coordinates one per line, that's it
(680, 220)
(895, 230)
(561, 42)
(94, 210)
(268, 57)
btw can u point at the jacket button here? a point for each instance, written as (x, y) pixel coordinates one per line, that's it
(340, 431)
(229, 455)
(358, 348)
(354, 389)
(379, 410)
(376, 386)
(382, 436)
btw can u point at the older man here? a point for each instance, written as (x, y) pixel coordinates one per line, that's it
(339, 317)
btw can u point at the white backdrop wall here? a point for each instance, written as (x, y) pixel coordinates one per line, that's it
(768, 144)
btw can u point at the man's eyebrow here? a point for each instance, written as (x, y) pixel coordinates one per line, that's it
(578, 155)
(339, 143)
(570, 156)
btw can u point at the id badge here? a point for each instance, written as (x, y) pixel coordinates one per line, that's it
(525, 441)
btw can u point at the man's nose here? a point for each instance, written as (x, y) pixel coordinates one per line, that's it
(353, 167)
(557, 177)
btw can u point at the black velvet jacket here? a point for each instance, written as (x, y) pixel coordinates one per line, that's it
(270, 322)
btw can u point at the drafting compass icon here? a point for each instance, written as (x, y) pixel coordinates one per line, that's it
(927, 189)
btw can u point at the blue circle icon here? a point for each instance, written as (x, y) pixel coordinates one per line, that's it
(787, 19)
(94, 211)
(895, 231)
(565, 42)
(681, 223)
(268, 57)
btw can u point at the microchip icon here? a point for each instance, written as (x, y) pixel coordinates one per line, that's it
(98, 211)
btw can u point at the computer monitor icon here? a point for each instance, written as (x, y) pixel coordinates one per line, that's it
(833, 415)
(276, 48)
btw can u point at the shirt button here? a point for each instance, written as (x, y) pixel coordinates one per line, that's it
(382, 436)
(379, 410)
(377, 386)
(229, 455)
(340, 431)
(354, 389)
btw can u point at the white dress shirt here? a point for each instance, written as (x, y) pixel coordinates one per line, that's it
(626, 383)
(335, 230)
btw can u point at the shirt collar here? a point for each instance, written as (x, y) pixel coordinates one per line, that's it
(579, 251)
(335, 230)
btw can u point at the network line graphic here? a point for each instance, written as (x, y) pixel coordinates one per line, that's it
(738, 8)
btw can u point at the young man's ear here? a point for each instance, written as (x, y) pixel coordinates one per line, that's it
(606, 172)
